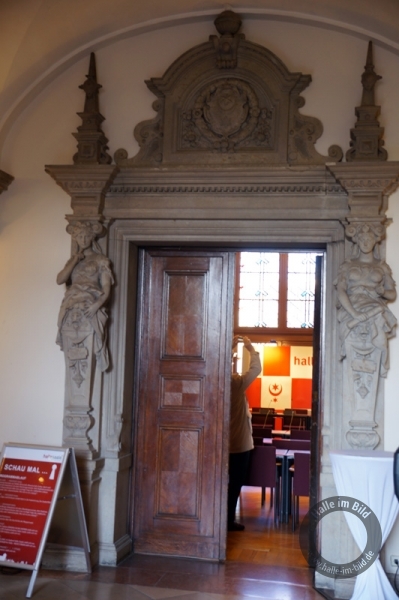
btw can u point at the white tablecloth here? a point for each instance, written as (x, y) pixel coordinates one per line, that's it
(367, 476)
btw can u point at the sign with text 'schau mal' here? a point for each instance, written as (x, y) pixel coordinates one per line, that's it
(33, 481)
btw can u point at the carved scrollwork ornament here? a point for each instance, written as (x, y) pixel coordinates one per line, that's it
(78, 425)
(362, 435)
(335, 153)
(149, 135)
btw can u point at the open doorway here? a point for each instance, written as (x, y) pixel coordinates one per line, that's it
(182, 397)
(277, 305)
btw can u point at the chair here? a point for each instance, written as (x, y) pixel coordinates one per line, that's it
(263, 473)
(300, 434)
(259, 433)
(300, 482)
(295, 419)
(265, 419)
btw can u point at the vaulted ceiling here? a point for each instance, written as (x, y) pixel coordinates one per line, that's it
(41, 38)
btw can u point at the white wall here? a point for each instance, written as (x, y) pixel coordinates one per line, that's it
(34, 245)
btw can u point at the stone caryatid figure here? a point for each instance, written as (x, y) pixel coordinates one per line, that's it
(364, 287)
(82, 328)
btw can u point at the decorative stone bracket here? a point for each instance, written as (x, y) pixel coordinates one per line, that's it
(87, 186)
(5, 180)
(368, 184)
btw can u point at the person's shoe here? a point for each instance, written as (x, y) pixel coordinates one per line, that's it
(235, 526)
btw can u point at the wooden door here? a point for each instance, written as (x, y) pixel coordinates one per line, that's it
(316, 439)
(181, 452)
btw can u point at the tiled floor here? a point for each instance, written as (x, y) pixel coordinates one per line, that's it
(264, 563)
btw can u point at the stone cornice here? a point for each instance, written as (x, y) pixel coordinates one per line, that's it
(258, 182)
(85, 184)
(225, 189)
(81, 179)
(367, 176)
(5, 180)
(368, 185)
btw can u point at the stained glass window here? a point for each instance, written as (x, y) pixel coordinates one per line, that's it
(259, 289)
(300, 289)
(276, 290)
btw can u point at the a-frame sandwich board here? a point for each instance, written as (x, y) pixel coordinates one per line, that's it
(39, 487)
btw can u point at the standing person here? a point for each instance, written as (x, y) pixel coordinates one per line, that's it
(241, 441)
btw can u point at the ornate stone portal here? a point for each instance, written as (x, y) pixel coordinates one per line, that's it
(229, 140)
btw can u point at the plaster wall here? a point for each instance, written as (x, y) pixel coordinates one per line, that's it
(34, 245)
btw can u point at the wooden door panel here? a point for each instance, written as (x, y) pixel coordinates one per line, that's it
(183, 396)
(178, 486)
(184, 326)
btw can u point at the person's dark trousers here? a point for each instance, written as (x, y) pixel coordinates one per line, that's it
(238, 467)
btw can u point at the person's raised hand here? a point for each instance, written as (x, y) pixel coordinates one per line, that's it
(236, 339)
(247, 342)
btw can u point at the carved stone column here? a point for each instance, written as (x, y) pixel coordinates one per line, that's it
(364, 286)
(82, 326)
(87, 186)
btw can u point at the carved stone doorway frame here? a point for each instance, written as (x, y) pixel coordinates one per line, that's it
(256, 182)
(275, 207)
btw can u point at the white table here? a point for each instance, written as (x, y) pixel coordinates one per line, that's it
(281, 432)
(368, 477)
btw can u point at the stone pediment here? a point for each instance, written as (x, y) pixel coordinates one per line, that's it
(224, 103)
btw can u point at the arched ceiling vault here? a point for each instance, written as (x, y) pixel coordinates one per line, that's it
(39, 39)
